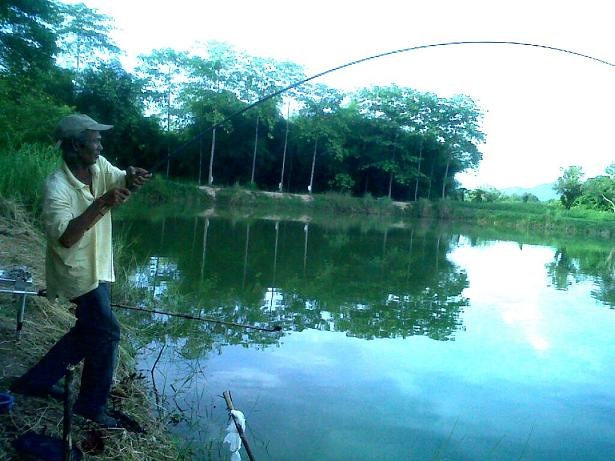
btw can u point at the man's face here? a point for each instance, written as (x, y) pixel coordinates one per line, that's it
(90, 149)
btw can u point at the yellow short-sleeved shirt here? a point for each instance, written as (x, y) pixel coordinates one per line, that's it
(72, 272)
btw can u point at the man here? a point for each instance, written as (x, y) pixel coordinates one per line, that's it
(79, 265)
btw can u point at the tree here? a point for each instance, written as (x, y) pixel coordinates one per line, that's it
(598, 193)
(459, 130)
(83, 36)
(396, 137)
(34, 93)
(113, 95)
(319, 127)
(569, 185)
(488, 194)
(164, 71)
(27, 37)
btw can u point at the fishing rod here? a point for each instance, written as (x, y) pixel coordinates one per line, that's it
(200, 135)
(276, 328)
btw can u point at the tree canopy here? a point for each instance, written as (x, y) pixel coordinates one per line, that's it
(387, 141)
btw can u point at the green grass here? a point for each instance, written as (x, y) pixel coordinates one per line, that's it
(24, 171)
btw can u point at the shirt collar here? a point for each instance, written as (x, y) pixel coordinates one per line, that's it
(73, 181)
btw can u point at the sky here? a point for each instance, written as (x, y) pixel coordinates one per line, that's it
(544, 110)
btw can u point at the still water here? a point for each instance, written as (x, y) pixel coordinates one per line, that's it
(401, 342)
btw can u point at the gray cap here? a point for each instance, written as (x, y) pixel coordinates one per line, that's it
(73, 125)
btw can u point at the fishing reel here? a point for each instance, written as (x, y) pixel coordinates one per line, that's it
(16, 278)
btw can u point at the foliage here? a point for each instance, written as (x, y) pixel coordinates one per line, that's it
(27, 116)
(112, 95)
(598, 193)
(27, 39)
(83, 36)
(484, 195)
(569, 185)
(387, 141)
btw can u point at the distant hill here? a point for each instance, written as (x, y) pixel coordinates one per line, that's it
(544, 192)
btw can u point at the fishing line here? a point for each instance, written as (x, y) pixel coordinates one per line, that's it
(276, 328)
(200, 135)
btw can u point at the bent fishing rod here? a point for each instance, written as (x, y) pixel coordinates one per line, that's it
(276, 328)
(200, 135)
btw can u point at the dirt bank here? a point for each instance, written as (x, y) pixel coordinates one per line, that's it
(21, 243)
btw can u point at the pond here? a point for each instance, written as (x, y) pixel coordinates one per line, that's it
(411, 341)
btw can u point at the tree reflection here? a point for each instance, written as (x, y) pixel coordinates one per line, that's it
(368, 284)
(581, 262)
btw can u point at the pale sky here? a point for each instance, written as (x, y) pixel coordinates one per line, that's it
(544, 110)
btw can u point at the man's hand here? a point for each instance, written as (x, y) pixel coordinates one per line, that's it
(136, 177)
(113, 197)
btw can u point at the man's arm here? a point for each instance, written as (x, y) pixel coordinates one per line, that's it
(78, 226)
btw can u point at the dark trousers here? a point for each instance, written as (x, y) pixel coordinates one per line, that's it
(94, 339)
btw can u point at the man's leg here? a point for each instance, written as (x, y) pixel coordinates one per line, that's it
(39, 379)
(99, 331)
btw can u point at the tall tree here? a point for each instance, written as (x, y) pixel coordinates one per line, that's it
(84, 36)
(459, 130)
(318, 126)
(569, 185)
(164, 72)
(27, 37)
(112, 94)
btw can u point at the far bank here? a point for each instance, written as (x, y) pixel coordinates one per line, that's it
(548, 218)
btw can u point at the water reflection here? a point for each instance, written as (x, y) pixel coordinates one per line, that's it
(370, 317)
(156, 275)
(578, 262)
(366, 283)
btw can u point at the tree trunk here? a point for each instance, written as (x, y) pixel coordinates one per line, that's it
(609, 201)
(393, 161)
(78, 52)
(210, 178)
(290, 171)
(313, 165)
(168, 132)
(418, 176)
(448, 163)
(280, 186)
(200, 160)
(255, 147)
(430, 180)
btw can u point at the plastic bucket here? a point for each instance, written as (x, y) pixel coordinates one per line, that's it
(6, 402)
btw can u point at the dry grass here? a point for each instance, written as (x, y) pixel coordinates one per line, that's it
(22, 244)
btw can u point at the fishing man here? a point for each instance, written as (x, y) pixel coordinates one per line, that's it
(77, 207)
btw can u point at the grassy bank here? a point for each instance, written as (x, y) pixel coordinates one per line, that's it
(24, 171)
(540, 218)
(21, 243)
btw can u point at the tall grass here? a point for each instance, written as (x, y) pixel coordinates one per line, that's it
(23, 172)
